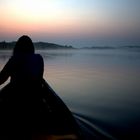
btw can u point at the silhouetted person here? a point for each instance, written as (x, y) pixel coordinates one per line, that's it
(25, 68)
(19, 98)
(29, 108)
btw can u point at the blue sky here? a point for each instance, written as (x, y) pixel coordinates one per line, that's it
(80, 23)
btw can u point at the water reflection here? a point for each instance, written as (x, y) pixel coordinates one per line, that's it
(101, 87)
(53, 54)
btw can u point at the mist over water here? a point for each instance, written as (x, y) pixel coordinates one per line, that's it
(101, 87)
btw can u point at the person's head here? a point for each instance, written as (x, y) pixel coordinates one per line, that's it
(24, 45)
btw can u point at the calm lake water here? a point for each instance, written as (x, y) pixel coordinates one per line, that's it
(100, 87)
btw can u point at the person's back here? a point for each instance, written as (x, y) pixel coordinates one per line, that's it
(26, 70)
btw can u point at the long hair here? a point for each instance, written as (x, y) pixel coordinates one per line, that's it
(24, 45)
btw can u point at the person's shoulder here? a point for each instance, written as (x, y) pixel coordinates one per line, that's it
(10, 62)
(11, 59)
(38, 56)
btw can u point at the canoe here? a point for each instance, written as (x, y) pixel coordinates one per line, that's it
(43, 118)
(62, 124)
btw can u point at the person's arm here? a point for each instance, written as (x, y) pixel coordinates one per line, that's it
(5, 72)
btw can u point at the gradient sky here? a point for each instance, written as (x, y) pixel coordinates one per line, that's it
(81, 23)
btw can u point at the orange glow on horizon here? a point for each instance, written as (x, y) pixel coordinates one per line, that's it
(48, 17)
(62, 19)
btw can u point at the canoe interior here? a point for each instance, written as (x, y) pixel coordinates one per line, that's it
(41, 117)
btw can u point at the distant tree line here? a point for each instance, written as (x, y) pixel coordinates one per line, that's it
(7, 45)
(38, 45)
